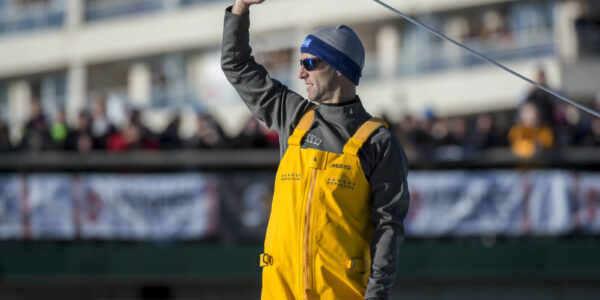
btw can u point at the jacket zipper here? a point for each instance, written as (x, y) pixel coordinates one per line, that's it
(306, 234)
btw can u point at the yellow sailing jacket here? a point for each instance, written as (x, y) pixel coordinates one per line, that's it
(319, 234)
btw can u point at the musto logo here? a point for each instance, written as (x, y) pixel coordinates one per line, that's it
(340, 166)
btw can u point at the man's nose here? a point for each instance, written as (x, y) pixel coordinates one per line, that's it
(302, 73)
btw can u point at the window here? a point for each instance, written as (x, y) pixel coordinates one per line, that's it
(30, 15)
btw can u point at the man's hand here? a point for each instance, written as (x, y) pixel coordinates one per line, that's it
(240, 7)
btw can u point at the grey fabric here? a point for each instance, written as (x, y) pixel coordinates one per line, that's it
(345, 40)
(382, 157)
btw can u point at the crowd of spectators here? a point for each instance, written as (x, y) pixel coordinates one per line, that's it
(541, 123)
(93, 131)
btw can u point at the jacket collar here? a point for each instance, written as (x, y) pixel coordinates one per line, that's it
(349, 109)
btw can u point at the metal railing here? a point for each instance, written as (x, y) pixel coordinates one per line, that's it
(580, 158)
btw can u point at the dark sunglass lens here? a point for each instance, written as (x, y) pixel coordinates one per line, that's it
(309, 63)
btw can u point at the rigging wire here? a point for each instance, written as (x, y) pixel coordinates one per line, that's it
(489, 60)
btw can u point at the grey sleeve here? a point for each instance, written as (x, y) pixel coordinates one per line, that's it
(390, 200)
(268, 99)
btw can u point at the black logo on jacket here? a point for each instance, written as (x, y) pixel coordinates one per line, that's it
(341, 166)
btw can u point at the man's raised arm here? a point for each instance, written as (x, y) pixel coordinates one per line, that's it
(268, 99)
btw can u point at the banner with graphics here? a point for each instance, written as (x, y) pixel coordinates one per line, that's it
(465, 203)
(235, 205)
(513, 203)
(49, 207)
(585, 209)
(11, 212)
(178, 206)
(245, 199)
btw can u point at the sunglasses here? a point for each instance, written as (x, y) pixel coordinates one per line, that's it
(309, 64)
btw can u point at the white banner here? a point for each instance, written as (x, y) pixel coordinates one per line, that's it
(180, 206)
(464, 203)
(546, 201)
(542, 202)
(190, 205)
(49, 211)
(10, 207)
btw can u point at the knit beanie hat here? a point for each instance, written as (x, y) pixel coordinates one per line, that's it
(339, 47)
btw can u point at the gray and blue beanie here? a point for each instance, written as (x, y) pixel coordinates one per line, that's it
(339, 47)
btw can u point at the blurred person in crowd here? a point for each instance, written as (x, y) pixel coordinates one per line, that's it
(482, 137)
(449, 137)
(209, 134)
(136, 135)
(100, 124)
(115, 142)
(402, 130)
(439, 132)
(544, 101)
(80, 138)
(529, 137)
(457, 131)
(571, 125)
(271, 136)
(489, 131)
(419, 135)
(500, 129)
(36, 135)
(169, 138)
(592, 138)
(333, 149)
(5, 144)
(255, 135)
(493, 29)
(59, 129)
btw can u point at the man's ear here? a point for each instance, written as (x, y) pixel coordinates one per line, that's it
(339, 74)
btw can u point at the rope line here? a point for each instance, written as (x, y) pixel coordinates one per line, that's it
(489, 60)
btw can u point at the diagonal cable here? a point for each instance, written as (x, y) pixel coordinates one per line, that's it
(489, 60)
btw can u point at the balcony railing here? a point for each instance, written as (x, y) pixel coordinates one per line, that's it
(574, 158)
(97, 10)
(442, 56)
(18, 17)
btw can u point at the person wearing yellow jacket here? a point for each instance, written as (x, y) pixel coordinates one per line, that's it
(341, 193)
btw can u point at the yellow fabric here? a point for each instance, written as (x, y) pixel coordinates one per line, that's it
(319, 233)
(302, 128)
(362, 134)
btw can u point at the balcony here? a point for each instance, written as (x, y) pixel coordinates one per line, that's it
(18, 17)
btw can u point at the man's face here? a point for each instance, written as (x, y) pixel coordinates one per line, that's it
(321, 82)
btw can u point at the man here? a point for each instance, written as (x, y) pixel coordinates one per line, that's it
(340, 192)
